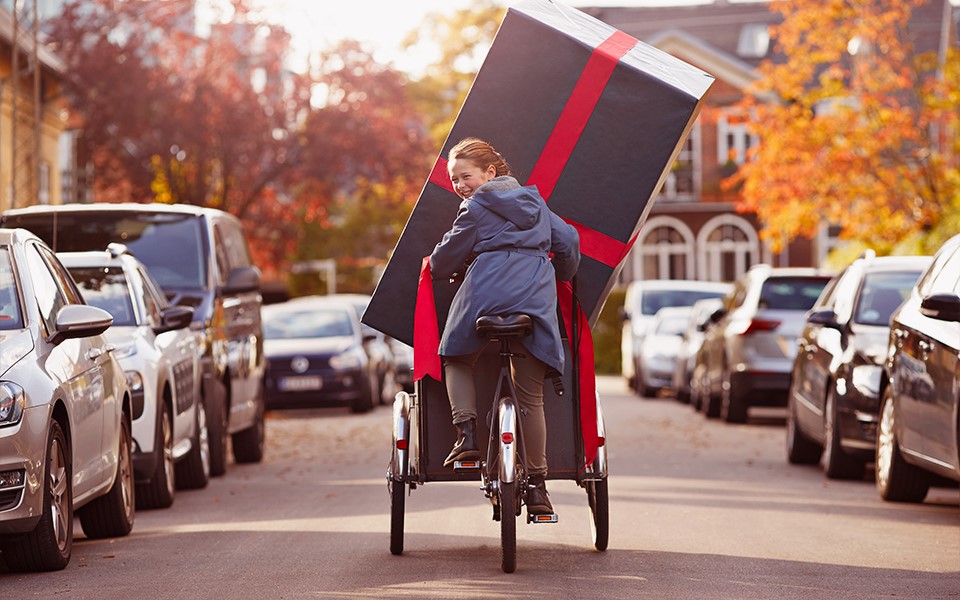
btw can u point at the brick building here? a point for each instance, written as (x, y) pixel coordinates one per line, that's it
(693, 230)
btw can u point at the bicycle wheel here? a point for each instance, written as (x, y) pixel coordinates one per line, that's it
(599, 501)
(398, 496)
(508, 526)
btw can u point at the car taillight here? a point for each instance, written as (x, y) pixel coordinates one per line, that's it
(757, 325)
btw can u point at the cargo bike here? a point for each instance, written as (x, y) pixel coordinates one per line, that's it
(423, 434)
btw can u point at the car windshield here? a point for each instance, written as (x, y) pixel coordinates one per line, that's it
(312, 323)
(672, 326)
(791, 293)
(10, 315)
(653, 300)
(881, 294)
(106, 288)
(168, 244)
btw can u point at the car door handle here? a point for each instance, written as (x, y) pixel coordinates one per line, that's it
(94, 353)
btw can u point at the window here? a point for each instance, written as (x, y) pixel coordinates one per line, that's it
(734, 138)
(683, 181)
(754, 40)
(48, 295)
(728, 246)
(44, 183)
(664, 250)
(106, 288)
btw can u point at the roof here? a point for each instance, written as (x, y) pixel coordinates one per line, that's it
(155, 207)
(47, 57)
(719, 25)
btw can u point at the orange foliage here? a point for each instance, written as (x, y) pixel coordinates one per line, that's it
(843, 139)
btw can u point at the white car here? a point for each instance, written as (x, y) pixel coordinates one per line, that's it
(659, 350)
(64, 413)
(160, 356)
(643, 300)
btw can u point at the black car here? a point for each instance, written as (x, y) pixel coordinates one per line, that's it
(315, 356)
(199, 257)
(918, 436)
(833, 401)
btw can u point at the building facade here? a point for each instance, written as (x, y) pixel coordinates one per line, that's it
(693, 230)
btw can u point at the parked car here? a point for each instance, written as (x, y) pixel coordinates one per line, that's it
(658, 352)
(199, 257)
(691, 340)
(315, 354)
(65, 413)
(834, 400)
(749, 349)
(642, 301)
(402, 364)
(918, 436)
(378, 349)
(161, 358)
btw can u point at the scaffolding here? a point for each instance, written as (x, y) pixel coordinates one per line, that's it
(26, 105)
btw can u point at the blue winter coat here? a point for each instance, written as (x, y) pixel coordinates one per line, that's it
(510, 231)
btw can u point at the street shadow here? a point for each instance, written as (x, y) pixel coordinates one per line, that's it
(256, 565)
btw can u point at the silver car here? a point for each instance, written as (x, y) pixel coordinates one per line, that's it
(65, 413)
(749, 349)
(658, 352)
(160, 356)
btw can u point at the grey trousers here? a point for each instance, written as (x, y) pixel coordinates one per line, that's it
(528, 373)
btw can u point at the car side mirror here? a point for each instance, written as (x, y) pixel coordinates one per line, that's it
(242, 279)
(825, 318)
(943, 307)
(80, 321)
(174, 317)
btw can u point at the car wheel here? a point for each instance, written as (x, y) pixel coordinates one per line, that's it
(897, 480)
(216, 406)
(836, 463)
(733, 405)
(49, 545)
(193, 472)
(159, 492)
(248, 444)
(801, 450)
(364, 401)
(112, 514)
(709, 402)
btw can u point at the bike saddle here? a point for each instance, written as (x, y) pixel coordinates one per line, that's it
(506, 325)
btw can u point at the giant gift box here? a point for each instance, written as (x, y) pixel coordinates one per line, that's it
(591, 116)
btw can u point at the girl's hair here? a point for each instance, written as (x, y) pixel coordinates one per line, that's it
(480, 153)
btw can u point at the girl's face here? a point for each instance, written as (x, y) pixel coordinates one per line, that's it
(466, 176)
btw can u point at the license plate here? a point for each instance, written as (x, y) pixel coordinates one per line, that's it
(300, 384)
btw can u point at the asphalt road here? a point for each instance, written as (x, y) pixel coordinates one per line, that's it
(699, 509)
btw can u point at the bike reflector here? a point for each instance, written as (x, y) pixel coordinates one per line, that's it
(507, 437)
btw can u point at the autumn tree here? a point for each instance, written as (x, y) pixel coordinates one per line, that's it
(461, 39)
(365, 147)
(172, 116)
(845, 115)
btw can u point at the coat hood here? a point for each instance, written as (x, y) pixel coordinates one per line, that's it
(504, 196)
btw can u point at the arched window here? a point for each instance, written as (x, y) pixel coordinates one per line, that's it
(664, 250)
(728, 246)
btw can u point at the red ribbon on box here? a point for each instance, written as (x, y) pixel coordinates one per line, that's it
(599, 246)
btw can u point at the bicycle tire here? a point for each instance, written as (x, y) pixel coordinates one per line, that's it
(398, 491)
(508, 526)
(599, 499)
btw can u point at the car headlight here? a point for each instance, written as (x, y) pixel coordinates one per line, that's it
(12, 400)
(134, 381)
(351, 359)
